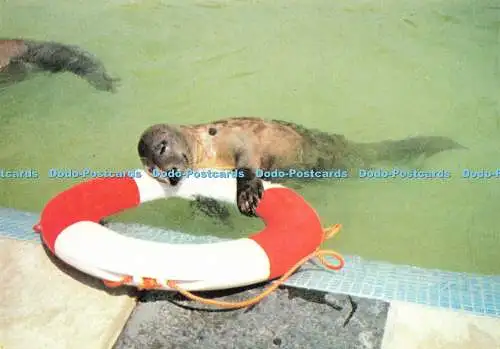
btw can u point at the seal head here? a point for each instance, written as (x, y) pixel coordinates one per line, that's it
(164, 152)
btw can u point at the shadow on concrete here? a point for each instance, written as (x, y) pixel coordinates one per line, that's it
(287, 318)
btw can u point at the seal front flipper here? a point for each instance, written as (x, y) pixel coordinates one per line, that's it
(249, 187)
(249, 190)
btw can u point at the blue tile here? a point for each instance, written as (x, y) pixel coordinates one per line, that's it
(489, 302)
(468, 307)
(466, 301)
(456, 302)
(401, 294)
(434, 302)
(491, 311)
(423, 293)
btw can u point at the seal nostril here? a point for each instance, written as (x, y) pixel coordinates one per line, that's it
(174, 178)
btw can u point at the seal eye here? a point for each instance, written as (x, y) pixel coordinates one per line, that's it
(212, 131)
(163, 146)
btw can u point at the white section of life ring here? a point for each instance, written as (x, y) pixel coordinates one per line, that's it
(218, 265)
(222, 189)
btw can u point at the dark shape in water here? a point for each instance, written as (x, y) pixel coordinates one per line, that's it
(20, 58)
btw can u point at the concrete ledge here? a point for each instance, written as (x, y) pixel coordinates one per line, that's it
(46, 304)
(413, 326)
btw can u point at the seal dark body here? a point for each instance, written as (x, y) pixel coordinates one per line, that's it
(249, 143)
(20, 58)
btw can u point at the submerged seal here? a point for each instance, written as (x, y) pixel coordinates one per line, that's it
(250, 143)
(19, 58)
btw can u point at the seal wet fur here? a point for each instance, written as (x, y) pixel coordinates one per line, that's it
(250, 143)
(20, 58)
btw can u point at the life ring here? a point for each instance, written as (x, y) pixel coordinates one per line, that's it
(69, 227)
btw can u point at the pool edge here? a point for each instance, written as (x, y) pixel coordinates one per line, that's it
(472, 293)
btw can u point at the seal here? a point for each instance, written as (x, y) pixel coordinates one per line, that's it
(250, 143)
(19, 58)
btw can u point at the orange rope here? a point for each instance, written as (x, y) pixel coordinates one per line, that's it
(150, 283)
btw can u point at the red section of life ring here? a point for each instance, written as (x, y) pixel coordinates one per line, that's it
(88, 201)
(293, 229)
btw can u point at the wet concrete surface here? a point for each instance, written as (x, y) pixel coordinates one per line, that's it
(289, 318)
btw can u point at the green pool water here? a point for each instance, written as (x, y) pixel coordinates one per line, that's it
(371, 70)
